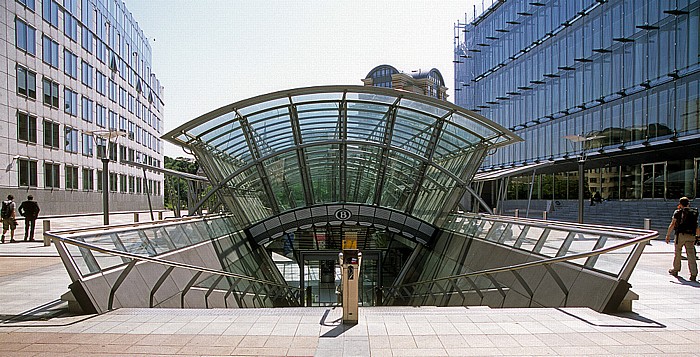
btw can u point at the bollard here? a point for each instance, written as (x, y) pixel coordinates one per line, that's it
(136, 217)
(544, 215)
(647, 226)
(160, 215)
(46, 224)
(517, 213)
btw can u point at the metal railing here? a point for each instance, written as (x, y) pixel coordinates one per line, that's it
(612, 252)
(98, 251)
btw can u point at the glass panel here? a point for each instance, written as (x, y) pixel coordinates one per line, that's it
(324, 168)
(362, 170)
(274, 103)
(158, 239)
(133, 243)
(285, 179)
(178, 237)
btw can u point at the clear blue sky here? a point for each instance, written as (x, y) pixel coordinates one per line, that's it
(209, 53)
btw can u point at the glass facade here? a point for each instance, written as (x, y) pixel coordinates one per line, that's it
(623, 75)
(340, 144)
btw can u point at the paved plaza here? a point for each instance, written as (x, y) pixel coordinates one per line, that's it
(665, 321)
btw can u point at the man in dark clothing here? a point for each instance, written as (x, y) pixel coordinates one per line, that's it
(8, 218)
(30, 210)
(685, 224)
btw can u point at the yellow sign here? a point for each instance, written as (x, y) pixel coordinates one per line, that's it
(350, 240)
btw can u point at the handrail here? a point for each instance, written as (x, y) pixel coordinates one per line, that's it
(564, 226)
(163, 261)
(645, 238)
(116, 228)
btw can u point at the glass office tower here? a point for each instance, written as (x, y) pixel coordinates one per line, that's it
(77, 74)
(613, 82)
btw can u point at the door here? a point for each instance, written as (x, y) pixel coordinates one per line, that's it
(654, 180)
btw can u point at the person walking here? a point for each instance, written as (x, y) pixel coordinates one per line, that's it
(9, 220)
(685, 224)
(29, 209)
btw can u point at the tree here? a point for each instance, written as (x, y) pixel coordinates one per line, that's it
(175, 185)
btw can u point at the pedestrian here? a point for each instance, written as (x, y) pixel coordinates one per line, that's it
(9, 220)
(685, 224)
(29, 209)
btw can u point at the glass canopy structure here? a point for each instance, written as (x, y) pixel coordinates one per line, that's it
(340, 144)
(302, 169)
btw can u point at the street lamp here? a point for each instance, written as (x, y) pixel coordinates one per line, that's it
(107, 135)
(581, 160)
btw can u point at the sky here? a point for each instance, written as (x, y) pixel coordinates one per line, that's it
(211, 53)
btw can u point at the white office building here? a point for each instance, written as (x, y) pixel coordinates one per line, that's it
(77, 84)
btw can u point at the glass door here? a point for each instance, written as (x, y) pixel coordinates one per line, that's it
(654, 180)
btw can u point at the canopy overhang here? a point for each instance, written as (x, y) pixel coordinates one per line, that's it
(305, 147)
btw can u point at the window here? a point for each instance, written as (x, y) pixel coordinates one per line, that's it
(122, 97)
(86, 73)
(113, 120)
(123, 123)
(26, 82)
(70, 26)
(131, 155)
(51, 12)
(122, 153)
(70, 64)
(132, 184)
(51, 134)
(100, 50)
(88, 144)
(26, 127)
(138, 185)
(71, 101)
(99, 180)
(27, 173)
(113, 181)
(50, 92)
(49, 51)
(112, 151)
(122, 183)
(131, 103)
(25, 37)
(71, 140)
(52, 175)
(71, 177)
(100, 120)
(101, 148)
(112, 91)
(88, 179)
(29, 4)
(87, 109)
(101, 83)
(86, 39)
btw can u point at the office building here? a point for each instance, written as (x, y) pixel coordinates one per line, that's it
(614, 84)
(428, 83)
(78, 85)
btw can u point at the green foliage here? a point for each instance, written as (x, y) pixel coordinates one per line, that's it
(178, 186)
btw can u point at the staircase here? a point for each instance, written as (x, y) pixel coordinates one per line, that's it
(629, 214)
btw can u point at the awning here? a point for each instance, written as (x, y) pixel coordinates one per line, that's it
(510, 171)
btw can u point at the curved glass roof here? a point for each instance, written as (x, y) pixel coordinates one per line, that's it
(340, 144)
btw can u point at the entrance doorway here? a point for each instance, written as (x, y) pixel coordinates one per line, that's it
(320, 278)
(654, 180)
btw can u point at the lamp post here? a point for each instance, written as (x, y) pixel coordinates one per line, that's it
(574, 139)
(107, 135)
